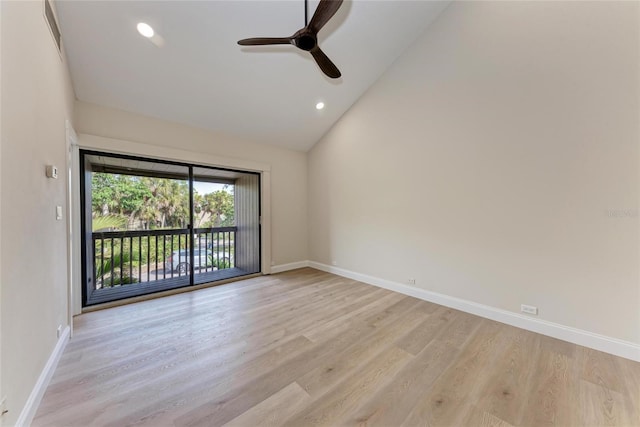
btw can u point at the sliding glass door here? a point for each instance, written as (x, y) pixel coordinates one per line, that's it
(151, 226)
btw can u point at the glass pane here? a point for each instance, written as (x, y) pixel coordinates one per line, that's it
(214, 219)
(220, 217)
(139, 212)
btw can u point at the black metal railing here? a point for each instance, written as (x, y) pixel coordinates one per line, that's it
(127, 257)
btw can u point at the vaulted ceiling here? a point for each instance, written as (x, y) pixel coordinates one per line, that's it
(193, 71)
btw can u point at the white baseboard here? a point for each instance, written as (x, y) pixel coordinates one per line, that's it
(581, 337)
(31, 407)
(291, 266)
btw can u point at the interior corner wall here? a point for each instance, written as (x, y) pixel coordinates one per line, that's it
(497, 162)
(36, 99)
(288, 168)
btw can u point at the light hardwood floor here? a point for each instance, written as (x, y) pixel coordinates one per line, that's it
(307, 348)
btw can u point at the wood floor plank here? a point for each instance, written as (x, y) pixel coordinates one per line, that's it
(330, 371)
(227, 332)
(606, 386)
(229, 402)
(461, 329)
(631, 373)
(472, 416)
(159, 390)
(551, 391)
(345, 397)
(393, 401)
(601, 369)
(219, 302)
(310, 348)
(602, 406)
(440, 404)
(232, 402)
(349, 317)
(504, 393)
(275, 410)
(424, 333)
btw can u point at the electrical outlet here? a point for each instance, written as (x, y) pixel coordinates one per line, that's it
(59, 331)
(334, 263)
(529, 309)
(412, 281)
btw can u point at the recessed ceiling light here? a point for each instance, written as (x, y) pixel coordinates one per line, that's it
(145, 29)
(319, 105)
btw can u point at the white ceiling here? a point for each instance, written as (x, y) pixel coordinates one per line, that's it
(201, 77)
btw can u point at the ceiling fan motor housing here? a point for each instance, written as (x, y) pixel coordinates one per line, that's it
(305, 40)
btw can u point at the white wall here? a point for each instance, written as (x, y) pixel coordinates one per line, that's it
(288, 168)
(36, 99)
(497, 162)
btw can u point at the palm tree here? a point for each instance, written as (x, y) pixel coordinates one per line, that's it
(107, 222)
(170, 201)
(219, 205)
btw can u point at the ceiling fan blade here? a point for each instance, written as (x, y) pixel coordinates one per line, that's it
(326, 9)
(260, 41)
(325, 63)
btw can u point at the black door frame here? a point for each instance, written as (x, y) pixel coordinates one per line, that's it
(86, 283)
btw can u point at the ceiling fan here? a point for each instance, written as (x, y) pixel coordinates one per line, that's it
(307, 37)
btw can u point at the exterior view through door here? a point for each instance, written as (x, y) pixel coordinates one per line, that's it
(150, 225)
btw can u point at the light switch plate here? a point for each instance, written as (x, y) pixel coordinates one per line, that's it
(58, 213)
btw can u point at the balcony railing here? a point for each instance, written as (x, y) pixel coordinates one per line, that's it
(128, 257)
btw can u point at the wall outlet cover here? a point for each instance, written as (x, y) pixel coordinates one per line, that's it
(529, 309)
